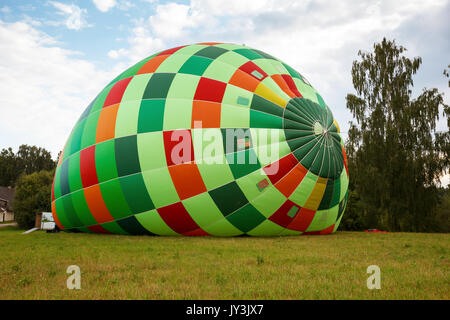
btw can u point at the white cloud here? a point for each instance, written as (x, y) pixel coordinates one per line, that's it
(44, 88)
(237, 7)
(141, 44)
(74, 15)
(104, 5)
(171, 19)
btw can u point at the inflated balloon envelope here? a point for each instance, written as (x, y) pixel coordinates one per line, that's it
(205, 139)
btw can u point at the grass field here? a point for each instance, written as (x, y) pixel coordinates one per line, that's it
(413, 266)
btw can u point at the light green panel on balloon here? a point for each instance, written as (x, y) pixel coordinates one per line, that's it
(266, 228)
(222, 228)
(136, 87)
(269, 144)
(208, 144)
(288, 232)
(183, 87)
(234, 117)
(215, 175)
(210, 158)
(172, 63)
(233, 59)
(307, 91)
(344, 184)
(203, 209)
(270, 200)
(236, 96)
(151, 150)
(127, 118)
(268, 154)
(160, 187)
(152, 221)
(336, 225)
(177, 114)
(264, 136)
(267, 65)
(323, 219)
(304, 189)
(220, 71)
(281, 69)
(90, 130)
(249, 184)
(191, 49)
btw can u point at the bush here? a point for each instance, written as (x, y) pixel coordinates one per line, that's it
(32, 195)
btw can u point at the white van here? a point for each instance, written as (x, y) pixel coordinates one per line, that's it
(47, 222)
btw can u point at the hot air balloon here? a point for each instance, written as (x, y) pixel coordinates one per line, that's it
(206, 139)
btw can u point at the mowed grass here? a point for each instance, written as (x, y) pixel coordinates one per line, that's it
(413, 266)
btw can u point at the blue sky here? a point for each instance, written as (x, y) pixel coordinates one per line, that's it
(55, 56)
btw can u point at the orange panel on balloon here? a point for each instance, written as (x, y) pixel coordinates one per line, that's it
(106, 126)
(187, 180)
(289, 182)
(96, 204)
(207, 112)
(243, 80)
(151, 65)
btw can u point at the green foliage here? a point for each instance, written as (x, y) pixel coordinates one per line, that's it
(27, 160)
(32, 195)
(352, 220)
(442, 221)
(396, 156)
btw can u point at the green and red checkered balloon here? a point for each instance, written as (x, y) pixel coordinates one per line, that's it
(205, 139)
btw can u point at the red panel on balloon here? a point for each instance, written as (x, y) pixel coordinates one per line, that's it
(210, 90)
(177, 218)
(178, 147)
(302, 220)
(253, 70)
(277, 170)
(116, 93)
(291, 84)
(285, 214)
(87, 167)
